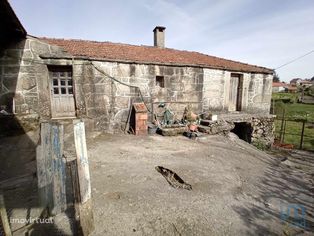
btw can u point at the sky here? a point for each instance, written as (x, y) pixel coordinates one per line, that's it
(267, 33)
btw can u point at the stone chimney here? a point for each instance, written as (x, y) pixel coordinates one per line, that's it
(159, 36)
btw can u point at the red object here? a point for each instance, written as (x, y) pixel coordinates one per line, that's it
(193, 127)
(284, 145)
(139, 119)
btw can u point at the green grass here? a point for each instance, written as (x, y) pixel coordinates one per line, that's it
(279, 96)
(295, 110)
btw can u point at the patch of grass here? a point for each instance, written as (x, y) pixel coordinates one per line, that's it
(295, 110)
(260, 145)
(285, 96)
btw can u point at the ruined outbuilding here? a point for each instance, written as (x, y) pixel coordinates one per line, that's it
(45, 78)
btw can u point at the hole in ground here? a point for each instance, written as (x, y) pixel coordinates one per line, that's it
(243, 130)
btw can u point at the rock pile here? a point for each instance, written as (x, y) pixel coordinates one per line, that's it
(263, 131)
(215, 127)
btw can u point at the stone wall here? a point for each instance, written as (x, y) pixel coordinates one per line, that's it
(259, 93)
(214, 90)
(263, 131)
(24, 77)
(106, 97)
(256, 92)
(261, 128)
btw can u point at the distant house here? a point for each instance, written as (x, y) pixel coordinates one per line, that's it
(279, 87)
(306, 83)
(295, 81)
(291, 89)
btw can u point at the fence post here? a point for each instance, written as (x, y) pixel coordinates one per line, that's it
(302, 134)
(85, 205)
(51, 168)
(282, 123)
(284, 131)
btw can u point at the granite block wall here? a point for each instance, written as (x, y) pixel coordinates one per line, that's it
(106, 97)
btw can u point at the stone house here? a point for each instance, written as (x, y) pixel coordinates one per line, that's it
(45, 78)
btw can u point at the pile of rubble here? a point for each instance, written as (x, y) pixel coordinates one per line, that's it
(263, 130)
(257, 129)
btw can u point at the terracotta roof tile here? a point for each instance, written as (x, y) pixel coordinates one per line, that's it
(149, 54)
(279, 84)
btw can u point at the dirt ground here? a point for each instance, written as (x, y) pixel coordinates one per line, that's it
(237, 189)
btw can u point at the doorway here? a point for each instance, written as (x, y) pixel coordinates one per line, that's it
(61, 87)
(235, 92)
(243, 130)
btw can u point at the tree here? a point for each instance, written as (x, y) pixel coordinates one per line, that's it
(312, 79)
(276, 78)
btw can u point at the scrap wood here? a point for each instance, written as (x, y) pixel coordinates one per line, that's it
(172, 178)
(4, 217)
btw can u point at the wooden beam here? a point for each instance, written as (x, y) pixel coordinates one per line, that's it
(51, 169)
(72, 165)
(85, 206)
(82, 160)
(59, 171)
(302, 134)
(44, 167)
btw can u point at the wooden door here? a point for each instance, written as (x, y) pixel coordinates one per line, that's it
(235, 92)
(62, 99)
(239, 93)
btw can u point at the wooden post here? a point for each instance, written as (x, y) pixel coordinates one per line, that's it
(284, 132)
(59, 172)
(51, 169)
(85, 206)
(282, 121)
(4, 217)
(302, 134)
(273, 106)
(72, 165)
(44, 167)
